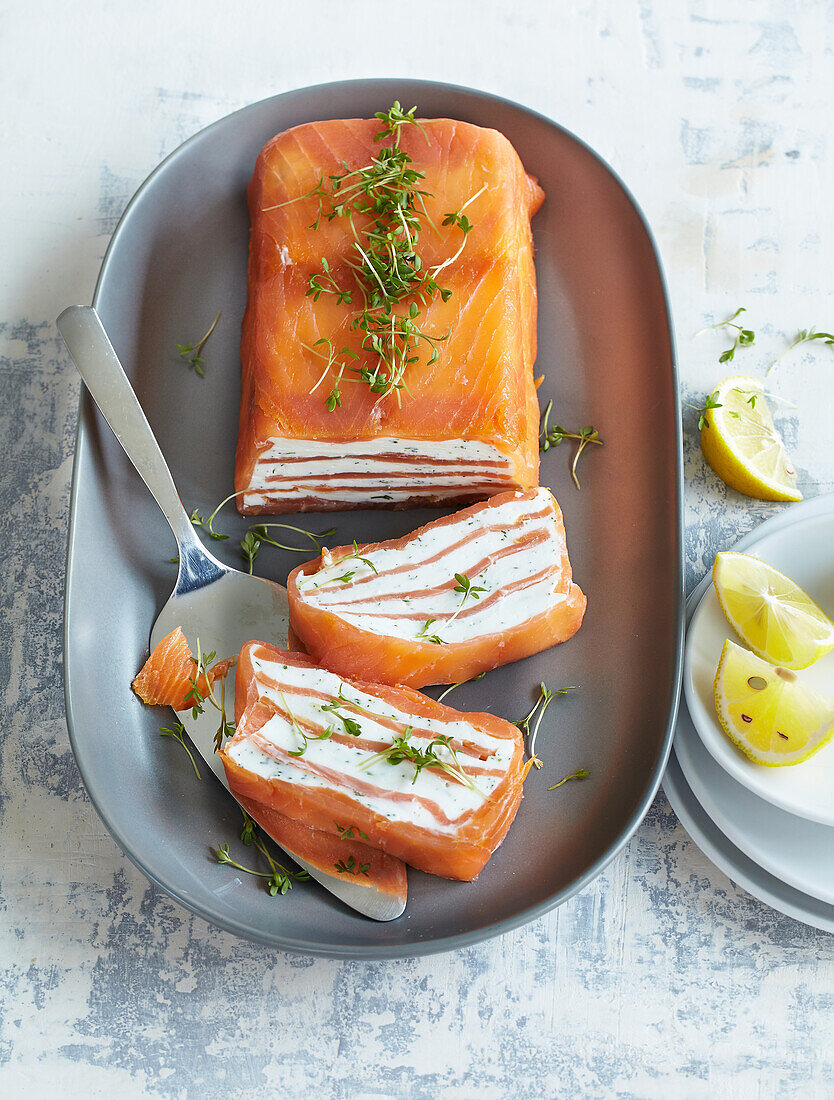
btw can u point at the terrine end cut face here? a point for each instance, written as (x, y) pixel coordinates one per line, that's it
(462, 427)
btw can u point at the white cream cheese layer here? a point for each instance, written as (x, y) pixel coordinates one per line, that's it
(345, 758)
(514, 551)
(388, 469)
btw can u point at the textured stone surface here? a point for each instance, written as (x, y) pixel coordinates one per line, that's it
(662, 978)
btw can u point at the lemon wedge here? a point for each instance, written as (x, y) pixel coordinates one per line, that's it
(770, 613)
(765, 711)
(742, 445)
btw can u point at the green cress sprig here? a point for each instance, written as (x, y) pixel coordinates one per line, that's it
(460, 683)
(743, 338)
(331, 362)
(279, 879)
(250, 544)
(401, 749)
(702, 410)
(305, 738)
(582, 773)
(196, 699)
(348, 832)
(194, 352)
(352, 727)
(352, 867)
(435, 639)
(712, 403)
(468, 591)
(552, 437)
(178, 734)
(804, 336)
(545, 697)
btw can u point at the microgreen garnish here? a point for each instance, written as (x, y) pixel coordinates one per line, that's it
(335, 705)
(326, 284)
(702, 411)
(194, 352)
(249, 829)
(331, 361)
(352, 727)
(401, 749)
(226, 728)
(552, 437)
(468, 589)
(178, 733)
(393, 119)
(279, 880)
(582, 773)
(358, 557)
(343, 700)
(744, 337)
(452, 687)
(384, 203)
(804, 336)
(250, 544)
(460, 220)
(194, 696)
(424, 633)
(258, 533)
(198, 521)
(196, 699)
(545, 697)
(347, 832)
(306, 738)
(352, 867)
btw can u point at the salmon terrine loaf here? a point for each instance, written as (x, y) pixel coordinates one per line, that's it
(390, 328)
(420, 781)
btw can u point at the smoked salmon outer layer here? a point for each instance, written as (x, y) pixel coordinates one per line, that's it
(324, 850)
(428, 820)
(467, 427)
(393, 612)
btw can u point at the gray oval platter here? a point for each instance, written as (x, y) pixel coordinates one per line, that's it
(606, 350)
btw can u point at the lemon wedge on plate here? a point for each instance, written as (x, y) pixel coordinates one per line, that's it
(741, 443)
(770, 613)
(767, 712)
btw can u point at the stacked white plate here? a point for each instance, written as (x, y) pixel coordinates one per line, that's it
(771, 830)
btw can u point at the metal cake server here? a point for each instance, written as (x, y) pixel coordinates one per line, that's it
(222, 606)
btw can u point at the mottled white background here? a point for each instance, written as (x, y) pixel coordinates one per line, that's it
(662, 979)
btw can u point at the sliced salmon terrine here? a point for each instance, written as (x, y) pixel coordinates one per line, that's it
(477, 589)
(168, 678)
(419, 781)
(314, 434)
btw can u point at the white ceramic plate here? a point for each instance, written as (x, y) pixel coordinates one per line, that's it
(734, 863)
(799, 852)
(799, 542)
